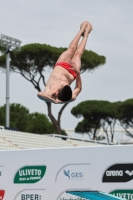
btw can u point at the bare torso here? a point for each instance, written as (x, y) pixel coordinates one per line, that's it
(59, 77)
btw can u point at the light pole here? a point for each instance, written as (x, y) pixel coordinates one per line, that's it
(10, 44)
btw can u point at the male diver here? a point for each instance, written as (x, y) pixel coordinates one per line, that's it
(66, 70)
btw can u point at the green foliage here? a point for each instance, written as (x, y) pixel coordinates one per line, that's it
(103, 114)
(21, 119)
(2, 117)
(33, 57)
(39, 123)
(93, 110)
(2, 49)
(125, 115)
(91, 60)
(18, 116)
(63, 132)
(96, 115)
(85, 126)
(125, 110)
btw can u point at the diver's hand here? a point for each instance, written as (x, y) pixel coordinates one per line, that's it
(74, 67)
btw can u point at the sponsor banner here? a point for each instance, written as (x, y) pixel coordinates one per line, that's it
(125, 194)
(74, 175)
(29, 174)
(71, 198)
(58, 170)
(119, 173)
(66, 196)
(31, 195)
(77, 172)
(2, 193)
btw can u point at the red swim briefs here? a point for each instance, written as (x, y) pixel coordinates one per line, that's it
(66, 66)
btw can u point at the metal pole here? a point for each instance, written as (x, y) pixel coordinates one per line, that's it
(7, 88)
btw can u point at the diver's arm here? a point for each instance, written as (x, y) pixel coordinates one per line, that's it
(78, 87)
(45, 97)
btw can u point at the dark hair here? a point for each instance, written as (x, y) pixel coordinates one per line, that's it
(65, 93)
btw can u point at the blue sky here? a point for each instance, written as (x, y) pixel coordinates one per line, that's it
(55, 22)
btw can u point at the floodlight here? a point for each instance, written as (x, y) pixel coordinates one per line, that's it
(3, 43)
(10, 44)
(7, 41)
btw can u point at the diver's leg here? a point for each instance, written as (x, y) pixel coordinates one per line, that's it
(80, 50)
(68, 54)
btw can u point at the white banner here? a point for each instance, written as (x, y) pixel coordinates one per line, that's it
(46, 174)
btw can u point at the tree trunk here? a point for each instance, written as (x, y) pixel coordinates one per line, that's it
(107, 137)
(94, 134)
(112, 138)
(57, 127)
(55, 122)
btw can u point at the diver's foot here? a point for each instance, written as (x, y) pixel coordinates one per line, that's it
(88, 28)
(83, 26)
